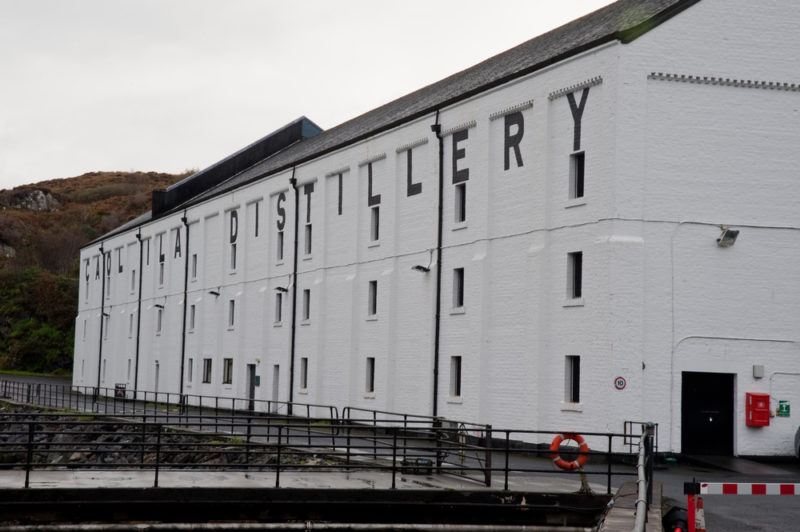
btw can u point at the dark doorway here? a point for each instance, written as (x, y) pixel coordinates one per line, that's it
(707, 413)
(251, 386)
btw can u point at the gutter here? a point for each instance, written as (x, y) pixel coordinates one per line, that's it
(185, 221)
(437, 129)
(102, 318)
(138, 317)
(293, 340)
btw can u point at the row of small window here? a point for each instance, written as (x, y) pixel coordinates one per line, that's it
(227, 370)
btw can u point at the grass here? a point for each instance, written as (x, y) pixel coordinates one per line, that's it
(19, 373)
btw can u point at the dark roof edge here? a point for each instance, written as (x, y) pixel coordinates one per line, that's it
(625, 36)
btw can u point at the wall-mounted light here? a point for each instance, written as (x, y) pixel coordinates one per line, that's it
(424, 269)
(727, 238)
(159, 306)
(106, 314)
(281, 289)
(214, 293)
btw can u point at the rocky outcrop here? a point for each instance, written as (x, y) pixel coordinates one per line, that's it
(29, 199)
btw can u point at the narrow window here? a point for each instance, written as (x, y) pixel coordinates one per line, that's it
(370, 383)
(573, 380)
(147, 255)
(455, 376)
(104, 370)
(306, 304)
(256, 221)
(231, 313)
(206, 370)
(161, 274)
(577, 162)
(280, 246)
(159, 319)
(278, 307)
(129, 370)
(375, 224)
(192, 316)
(105, 327)
(575, 275)
(372, 305)
(190, 371)
(194, 265)
(133, 280)
(304, 373)
(233, 256)
(227, 370)
(83, 368)
(130, 325)
(461, 203)
(308, 239)
(458, 287)
(84, 330)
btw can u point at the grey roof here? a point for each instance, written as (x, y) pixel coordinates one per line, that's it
(624, 20)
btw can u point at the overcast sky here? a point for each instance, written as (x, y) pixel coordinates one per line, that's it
(168, 85)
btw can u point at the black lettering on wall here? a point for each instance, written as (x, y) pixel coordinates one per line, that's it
(308, 190)
(281, 211)
(371, 200)
(161, 248)
(459, 176)
(577, 115)
(340, 194)
(512, 141)
(177, 244)
(234, 228)
(412, 189)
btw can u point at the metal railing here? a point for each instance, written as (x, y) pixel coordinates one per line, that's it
(159, 442)
(644, 472)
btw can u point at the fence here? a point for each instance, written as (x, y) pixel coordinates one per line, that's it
(644, 471)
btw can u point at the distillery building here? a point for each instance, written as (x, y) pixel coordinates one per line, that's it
(597, 226)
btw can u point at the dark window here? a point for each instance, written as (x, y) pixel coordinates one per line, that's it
(306, 304)
(231, 313)
(280, 245)
(458, 287)
(375, 224)
(370, 384)
(304, 373)
(372, 305)
(573, 380)
(227, 370)
(455, 376)
(575, 275)
(461, 203)
(278, 307)
(576, 168)
(206, 370)
(308, 239)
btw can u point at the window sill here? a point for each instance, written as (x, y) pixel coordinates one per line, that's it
(279, 263)
(577, 302)
(571, 407)
(305, 322)
(277, 324)
(459, 226)
(227, 386)
(575, 202)
(369, 395)
(157, 334)
(372, 318)
(302, 391)
(458, 311)
(230, 328)
(308, 257)
(455, 401)
(190, 331)
(374, 245)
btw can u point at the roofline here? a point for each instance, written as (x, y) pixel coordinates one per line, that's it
(625, 37)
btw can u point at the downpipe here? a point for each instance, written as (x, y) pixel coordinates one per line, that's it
(437, 130)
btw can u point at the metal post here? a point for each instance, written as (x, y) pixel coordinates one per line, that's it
(158, 453)
(648, 443)
(247, 442)
(505, 469)
(437, 425)
(29, 454)
(608, 472)
(394, 458)
(488, 454)
(349, 427)
(278, 462)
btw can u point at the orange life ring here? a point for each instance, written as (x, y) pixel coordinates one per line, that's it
(583, 449)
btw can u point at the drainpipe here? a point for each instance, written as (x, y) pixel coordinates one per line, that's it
(293, 181)
(437, 129)
(102, 318)
(138, 317)
(185, 221)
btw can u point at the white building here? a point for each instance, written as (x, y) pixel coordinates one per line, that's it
(569, 246)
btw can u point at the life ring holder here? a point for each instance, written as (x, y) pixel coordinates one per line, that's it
(583, 448)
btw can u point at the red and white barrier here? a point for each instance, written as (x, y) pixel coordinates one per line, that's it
(748, 488)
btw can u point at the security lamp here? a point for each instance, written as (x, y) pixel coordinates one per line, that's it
(423, 269)
(214, 293)
(159, 306)
(281, 289)
(727, 238)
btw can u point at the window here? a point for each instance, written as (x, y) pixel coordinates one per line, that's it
(458, 287)
(461, 203)
(304, 373)
(190, 371)
(577, 162)
(306, 304)
(130, 325)
(308, 239)
(573, 380)
(206, 370)
(104, 370)
(161, 274)
(83, 368)
(147, 255)
(84, 330)
(192, 316)
(105, 327)
(133, 280)
(256, 220)
(455, 376)
(372, 302)
(278, 307)
(227, 370)
(375, 224)
(575, 275)
(129, 369)
(370, 384)
(159, 320)
(231, 313)
(233, 256)
(280, 246)
(194, 265)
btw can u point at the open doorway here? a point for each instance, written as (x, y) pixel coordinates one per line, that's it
(707, 417)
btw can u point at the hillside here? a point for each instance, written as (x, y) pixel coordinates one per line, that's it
(42, 228)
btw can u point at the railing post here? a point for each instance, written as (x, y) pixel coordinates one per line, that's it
(247, 443)
(278, 461)
(505, 469)
(648, 443)
(437, 425)
(488, 453)
(158, 453)
(394, 457)
(349, 427)
(608, 459)
(29, 454)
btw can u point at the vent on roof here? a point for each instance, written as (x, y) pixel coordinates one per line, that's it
(184, 190)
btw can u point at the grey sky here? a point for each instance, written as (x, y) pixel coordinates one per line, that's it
(167, 85)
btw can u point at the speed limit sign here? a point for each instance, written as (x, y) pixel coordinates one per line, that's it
(620, 383)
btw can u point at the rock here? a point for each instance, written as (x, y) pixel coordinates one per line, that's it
(34, 200)
(77, 456)
(7, 252)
